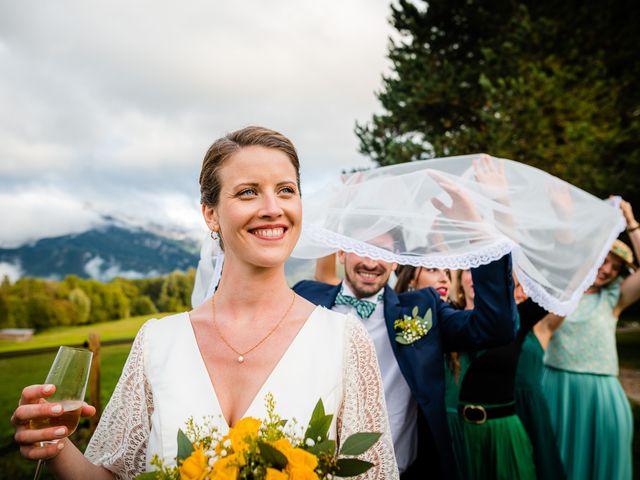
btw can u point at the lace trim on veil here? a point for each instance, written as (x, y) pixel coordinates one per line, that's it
(551, 304)
(461, 261)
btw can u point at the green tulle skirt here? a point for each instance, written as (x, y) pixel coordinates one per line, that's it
(592, 421)
(534, 413)
(454, 419)
(499, 449)
(456, 430)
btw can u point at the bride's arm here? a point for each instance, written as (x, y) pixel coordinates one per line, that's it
(119, 443)
(364, 408)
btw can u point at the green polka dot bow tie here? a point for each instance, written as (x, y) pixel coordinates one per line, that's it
(364, 308)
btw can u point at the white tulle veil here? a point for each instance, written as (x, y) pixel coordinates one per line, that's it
(558, 234)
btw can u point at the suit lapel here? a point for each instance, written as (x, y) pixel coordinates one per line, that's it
(328, 299)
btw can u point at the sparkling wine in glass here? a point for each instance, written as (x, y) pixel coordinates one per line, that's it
(69, 372)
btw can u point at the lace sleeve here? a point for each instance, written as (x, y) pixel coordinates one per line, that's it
(364, 408)
(120, 442)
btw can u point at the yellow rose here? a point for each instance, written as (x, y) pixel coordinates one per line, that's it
(194, 467)
(245, 430)
(273, 474)
(301, 473)
(227, 467)
(299, 458)
(300, 463)
(284, 446)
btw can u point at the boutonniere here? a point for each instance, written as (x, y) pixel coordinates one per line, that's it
(411, 329)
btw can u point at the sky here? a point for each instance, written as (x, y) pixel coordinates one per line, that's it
(107, 107)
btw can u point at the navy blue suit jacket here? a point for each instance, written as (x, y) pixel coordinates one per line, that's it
(491, 323)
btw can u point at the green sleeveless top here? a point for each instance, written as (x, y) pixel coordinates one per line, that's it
(586, 340)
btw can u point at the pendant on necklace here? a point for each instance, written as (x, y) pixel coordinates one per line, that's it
(240, 359)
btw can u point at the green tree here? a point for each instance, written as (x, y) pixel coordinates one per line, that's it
(81, 303)
(4, 309)
(554, 85)
(175, 294)
(143, 306)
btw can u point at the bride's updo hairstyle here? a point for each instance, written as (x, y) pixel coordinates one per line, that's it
(225, 147)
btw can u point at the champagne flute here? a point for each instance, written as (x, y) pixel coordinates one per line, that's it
(69, 372)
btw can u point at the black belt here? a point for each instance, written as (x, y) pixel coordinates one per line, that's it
(481, 413)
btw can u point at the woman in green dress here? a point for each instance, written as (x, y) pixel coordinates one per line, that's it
(590, 413)
(530, 402)
(496, 443)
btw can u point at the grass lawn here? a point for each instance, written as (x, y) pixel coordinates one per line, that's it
(54, 337)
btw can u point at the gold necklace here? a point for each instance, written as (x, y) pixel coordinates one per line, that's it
(273, 329)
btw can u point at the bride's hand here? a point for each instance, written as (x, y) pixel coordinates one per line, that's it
(33, 406)
(462, 207)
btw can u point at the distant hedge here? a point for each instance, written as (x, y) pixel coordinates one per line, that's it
(37, 303)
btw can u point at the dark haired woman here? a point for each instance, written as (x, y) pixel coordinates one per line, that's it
(497, 444)
(254, 336)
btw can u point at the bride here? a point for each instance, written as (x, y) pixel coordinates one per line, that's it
(254, 336)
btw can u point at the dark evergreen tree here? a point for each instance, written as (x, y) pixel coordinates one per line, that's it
(552, 84)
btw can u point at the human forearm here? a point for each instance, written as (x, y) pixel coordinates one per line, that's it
(326, 270)
(633, 227)
(494, 303)
(71, 464)
(630, 288)
(493, 319)
(633, 230)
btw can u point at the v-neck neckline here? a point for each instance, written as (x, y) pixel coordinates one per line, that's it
(261, 391)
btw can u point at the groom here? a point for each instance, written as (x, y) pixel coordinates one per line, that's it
(413, 374)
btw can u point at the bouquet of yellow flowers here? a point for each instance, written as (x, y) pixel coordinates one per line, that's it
(257, 450)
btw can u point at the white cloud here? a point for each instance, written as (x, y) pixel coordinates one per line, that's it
(110, 101)
(13, 271)
(30, 215)
(97, 269)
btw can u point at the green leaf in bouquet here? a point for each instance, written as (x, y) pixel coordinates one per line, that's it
(319, 424)
(327, 446)
(359, 443)
(427, 319)
(350, 467)
(414, 312)
(401, 340)
(185, 447)
(148, 476)
(272, 456)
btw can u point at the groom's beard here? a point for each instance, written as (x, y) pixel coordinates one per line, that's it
(365, 281)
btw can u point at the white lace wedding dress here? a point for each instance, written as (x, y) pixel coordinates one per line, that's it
(165, 381)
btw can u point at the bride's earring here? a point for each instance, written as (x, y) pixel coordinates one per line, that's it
(215, 235)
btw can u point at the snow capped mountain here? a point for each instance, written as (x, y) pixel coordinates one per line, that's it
(115, 247)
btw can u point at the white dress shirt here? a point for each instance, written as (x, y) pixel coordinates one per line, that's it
(401, 406)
